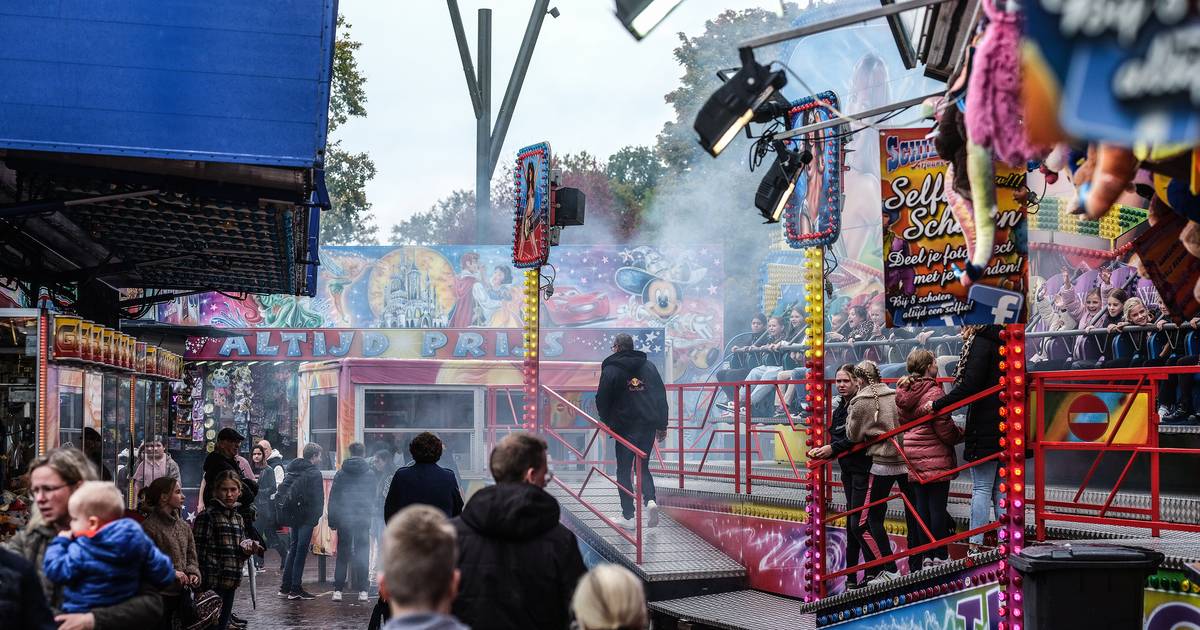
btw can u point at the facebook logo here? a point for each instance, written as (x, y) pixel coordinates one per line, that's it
(993, 306)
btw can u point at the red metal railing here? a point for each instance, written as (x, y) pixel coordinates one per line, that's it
(934, 542)
(1145, 381)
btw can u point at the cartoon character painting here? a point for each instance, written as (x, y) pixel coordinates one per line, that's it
(464, 312)
(530, 231)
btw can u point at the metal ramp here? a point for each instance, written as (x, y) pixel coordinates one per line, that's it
(739, 610)
(671, 552)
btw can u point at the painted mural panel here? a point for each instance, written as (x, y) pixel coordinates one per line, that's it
(973, 609)
(678, 289)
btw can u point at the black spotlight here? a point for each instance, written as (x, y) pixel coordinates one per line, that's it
(733, 105)
(777, 187)
(641, 16)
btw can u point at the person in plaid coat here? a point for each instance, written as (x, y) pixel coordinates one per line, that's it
(222, 543)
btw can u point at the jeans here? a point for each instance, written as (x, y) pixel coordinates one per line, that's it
(644, 440)
(760, 393)
(293, 565)
(878, 544)
(353, 553)
(985, 493)
(226, 595)
(854, 485)
(930, 500)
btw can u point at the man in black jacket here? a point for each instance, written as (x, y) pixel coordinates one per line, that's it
(304, 490)
(856, 468)
(351, 504)
(632, 401)
(519, 564)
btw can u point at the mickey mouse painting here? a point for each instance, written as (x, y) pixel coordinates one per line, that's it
(659, 283)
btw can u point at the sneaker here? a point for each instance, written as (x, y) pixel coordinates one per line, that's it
(362, 596)
(883, 576)
(337, 596)
(282, 594)
(651, 513)
(301, 594)
(627, 523)
(927, 563)
(854, 585)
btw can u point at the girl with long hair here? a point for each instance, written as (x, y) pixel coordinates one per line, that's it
(173, 536)
(928, 448)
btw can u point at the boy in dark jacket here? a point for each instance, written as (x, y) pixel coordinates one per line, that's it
(303, 490)
(519, 564)
(351, 504)
(102, 559)
(632, 401)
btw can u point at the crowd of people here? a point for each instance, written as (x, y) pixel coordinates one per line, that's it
(1109, 326)
(919, 461)
(501, 560)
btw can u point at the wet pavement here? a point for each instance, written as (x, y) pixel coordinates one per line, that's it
(274, 613)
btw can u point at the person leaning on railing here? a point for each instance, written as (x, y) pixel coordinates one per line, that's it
(978, 370)
(872, 414)
(855, 467)
(929, 449)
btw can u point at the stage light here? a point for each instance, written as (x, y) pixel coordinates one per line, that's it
(641, 16)
(780, 182)
(733, 105)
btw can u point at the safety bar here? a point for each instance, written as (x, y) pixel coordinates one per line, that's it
(639, 461)
(1143, 382)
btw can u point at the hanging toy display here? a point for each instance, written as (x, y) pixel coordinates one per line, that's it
(243, 397)
(994, 123)
(196, 399)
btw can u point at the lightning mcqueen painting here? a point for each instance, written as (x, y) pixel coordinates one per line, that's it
(571, 307)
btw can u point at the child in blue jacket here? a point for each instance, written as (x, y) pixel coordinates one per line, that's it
(103, 558)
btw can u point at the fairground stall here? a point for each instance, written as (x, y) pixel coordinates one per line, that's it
(71, 382)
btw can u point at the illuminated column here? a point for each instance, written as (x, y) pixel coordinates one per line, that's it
(1013, 418)
(814, 397)
(43, 373)
(529, 369)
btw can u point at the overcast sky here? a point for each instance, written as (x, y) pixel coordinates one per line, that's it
(590, 87)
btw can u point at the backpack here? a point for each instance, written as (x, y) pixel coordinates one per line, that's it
(288, 502)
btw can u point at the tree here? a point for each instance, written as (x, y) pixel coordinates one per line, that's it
(698, 199)
(633, 172)
(450, 221)
(346, 172)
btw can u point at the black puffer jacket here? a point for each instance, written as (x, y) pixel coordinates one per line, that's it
(352, 496)
(21, 598)
(856, 463)
(519, 564)
(309, 487)
(631, 397)
(981, 371)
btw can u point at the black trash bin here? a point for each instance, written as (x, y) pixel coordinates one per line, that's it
(1084, 586)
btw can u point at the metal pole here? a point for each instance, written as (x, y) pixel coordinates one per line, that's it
(836, 23)
(483, 129)
(858, 117)
(517, 79)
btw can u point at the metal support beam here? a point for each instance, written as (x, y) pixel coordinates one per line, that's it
(464, 53)
(517, 78)
(857, 118)
(836, 23)
(483, 129)
(25, 208)
(489, 141)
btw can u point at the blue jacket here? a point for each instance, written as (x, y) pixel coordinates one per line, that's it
(424, 483)
(107, 568)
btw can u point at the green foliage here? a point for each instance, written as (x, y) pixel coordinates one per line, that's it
(349, 221)
(450, 221)
(633, 172)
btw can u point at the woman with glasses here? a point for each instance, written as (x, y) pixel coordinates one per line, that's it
(53, 477)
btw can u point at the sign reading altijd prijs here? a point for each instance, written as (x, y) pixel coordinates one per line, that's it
(579, 344)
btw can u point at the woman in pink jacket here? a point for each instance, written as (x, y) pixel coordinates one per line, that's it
(928, 449)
